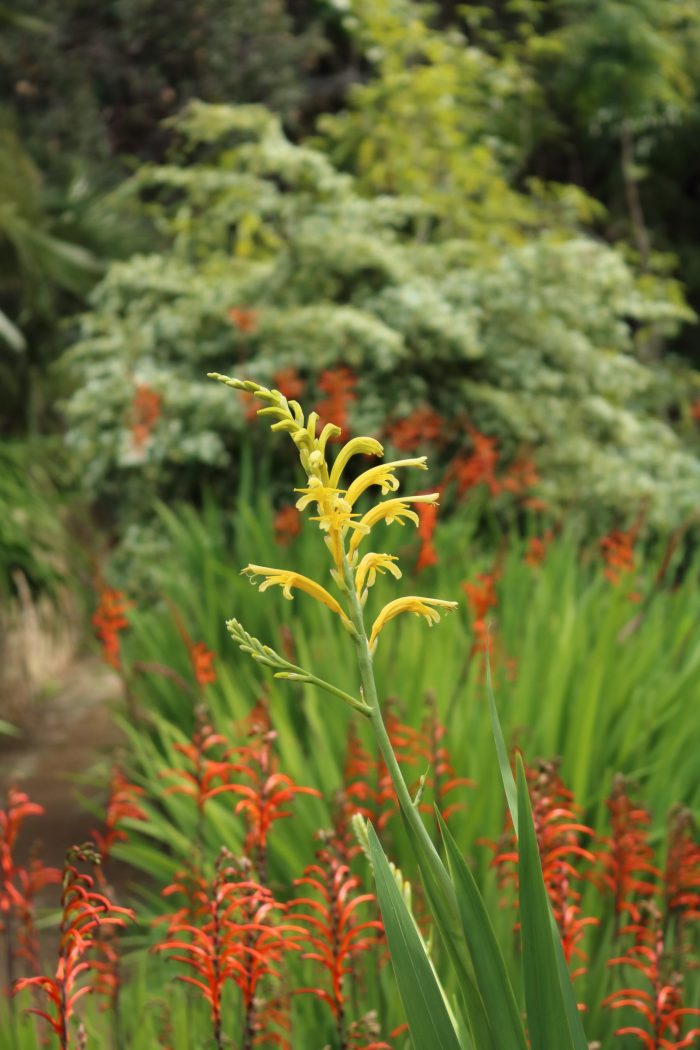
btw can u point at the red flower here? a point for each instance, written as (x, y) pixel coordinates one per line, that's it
(410, 433)
(661, 1004)
(628, 872)
(338, 385)
(618, 553)
(19, 885)
(682, 872)
(84, 913)
(122, 804)
(478, 468)
(108, 620)
(210, 773)
(481, 597)
(521, 475)
(287, 524)
(558, 838)
(442, 779)
(265, 796)
(201, 657)
(289, 383)
(244, 319)
(427, 521)
(145, 413)
(335, 934)
(537, 548)
(233, 937)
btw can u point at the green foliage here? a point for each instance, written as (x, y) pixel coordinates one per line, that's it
(583, 646)
(95, 83)
(538, 345)
(33, 536)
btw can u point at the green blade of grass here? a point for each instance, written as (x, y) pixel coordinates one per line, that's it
(423, 1001)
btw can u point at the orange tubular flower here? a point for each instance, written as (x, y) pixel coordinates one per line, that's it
(244, 319)
(336, 936)
(628, 872)
(479, 468)
(264, 796)
(122, 804)
(145, 413)
(660, 1005)
(84, 913)
(289, 383)
(287, 525)
(424, 425)
(109, 619)
(558, 838)
(339, 387)
(20, 885)
(427, 522)
(618, 553)
(234, 937)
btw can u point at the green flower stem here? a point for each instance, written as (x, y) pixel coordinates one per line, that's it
(369, 689)
(298, 674)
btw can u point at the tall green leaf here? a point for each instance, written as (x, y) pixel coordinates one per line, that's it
(428, 1019)
(489, 965)
(442, 902)
(547, 989)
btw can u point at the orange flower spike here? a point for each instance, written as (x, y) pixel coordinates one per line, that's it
(244, 319)
(287, 525)
(84, 913)
(122, 805)
(202, 661)
(335, 934)
(618, 553)
(109, 619)
(427, 522)
(289, 383)
(339, 387)
(410, 433)
(146, 408)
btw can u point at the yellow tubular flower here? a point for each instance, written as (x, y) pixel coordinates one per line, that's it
(383, 476)
(288, 580)
(356, 446)
(390, 510)
(426, 607)
(317, 492)
(370, 565)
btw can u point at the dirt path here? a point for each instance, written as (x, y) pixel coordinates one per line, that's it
(66, 735)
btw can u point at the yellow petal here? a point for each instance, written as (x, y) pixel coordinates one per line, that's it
(425, 607)
(382, 475)
(366, 446)
(389, 510)
(288, 581)
(370, 565)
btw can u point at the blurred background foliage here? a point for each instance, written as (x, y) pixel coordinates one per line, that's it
(483, 210)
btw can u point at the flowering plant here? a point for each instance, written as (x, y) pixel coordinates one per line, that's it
(488, 1015)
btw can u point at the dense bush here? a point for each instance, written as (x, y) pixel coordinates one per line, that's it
(274, 258)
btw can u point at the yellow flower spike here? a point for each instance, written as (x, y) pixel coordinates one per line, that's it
(318, 493)
(370, 565)
(390, 510)
(365, 446)
(289, 580)
(426, 607)
(383, 476)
